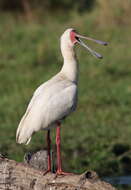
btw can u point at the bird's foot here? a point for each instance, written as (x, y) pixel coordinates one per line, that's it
(47, 171)
(60, 172)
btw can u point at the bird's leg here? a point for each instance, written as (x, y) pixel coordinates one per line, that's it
(59, 162)
(48, 152)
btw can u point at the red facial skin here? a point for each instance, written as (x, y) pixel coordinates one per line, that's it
(72, 37)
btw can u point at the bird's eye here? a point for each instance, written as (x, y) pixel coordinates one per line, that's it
(73, 30)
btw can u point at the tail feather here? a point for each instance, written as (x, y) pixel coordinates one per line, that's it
(29, 124)
(23, 135)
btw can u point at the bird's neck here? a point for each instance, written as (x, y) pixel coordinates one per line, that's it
(70, 66)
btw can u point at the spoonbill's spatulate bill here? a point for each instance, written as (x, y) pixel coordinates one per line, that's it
(55, 99)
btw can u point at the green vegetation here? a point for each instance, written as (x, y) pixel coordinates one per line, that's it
(96, 136)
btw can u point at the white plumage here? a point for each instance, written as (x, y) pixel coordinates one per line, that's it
(56, 98)
(50, 103)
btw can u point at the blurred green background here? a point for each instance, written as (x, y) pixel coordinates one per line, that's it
(97, 135)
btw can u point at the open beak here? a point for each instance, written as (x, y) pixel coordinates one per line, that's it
(94, 53)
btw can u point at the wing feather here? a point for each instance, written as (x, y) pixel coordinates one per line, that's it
(48, 104)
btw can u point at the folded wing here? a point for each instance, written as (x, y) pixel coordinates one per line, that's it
(47, 106)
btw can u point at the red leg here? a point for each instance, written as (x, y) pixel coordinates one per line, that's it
(59, 162)
(48, 152)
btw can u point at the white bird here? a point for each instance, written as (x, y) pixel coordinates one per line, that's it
(55, 99)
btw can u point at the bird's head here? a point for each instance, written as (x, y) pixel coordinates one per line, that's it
(70, 37)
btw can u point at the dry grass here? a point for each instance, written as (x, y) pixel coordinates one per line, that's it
(114, 12)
